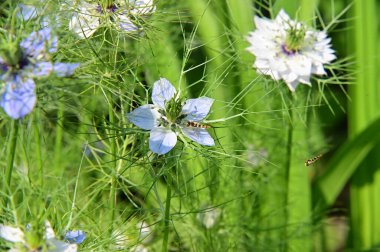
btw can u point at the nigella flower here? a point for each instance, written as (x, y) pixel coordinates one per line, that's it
(289, 50)
(75, 236)
(29, 242)
(122, 13)
(18, 66)
(167, 117)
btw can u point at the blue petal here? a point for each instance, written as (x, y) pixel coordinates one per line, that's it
(199, 135)
(27, 12)
(162, 140)
(65, 69)
(19, 97)
(42, 69)
(39, 43)
(75, 236)
(162, 92)
(145, 117)
(197, 109)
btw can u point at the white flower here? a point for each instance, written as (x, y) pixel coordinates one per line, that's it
(209, 217)
(289, 50)
(88, 17)
(15, 235)
(167, 117)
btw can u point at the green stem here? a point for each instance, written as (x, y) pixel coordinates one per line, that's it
(11, 152)
(113, 160)
(11, 157)
(58, 137)
(38, 148)
(166, 219)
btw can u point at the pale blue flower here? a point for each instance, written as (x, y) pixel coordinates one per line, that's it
(167, 117)
(16, 235)
(17, 96)
(75, 236)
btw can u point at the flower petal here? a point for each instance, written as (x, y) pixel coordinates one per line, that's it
(60, 246)
(19, 97)
(27, 12)
(145, 117)
(197, 109)
(162, 140)
(141, 7)
(85, 22)
(42, 68)
(126, 24)
(75, 236)
(198, 135)
(11, 234)
(163, 91)
(37, 44)
(49, 232)
(65, 69)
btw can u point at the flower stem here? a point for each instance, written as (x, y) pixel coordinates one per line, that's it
(58, 137)
(11, 152)
(11, 156)
(38, 148)
(113, 159)
(167, 213)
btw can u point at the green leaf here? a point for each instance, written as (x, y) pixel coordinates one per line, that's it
(343, 164)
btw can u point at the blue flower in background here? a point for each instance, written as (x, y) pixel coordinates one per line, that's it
(32, 59)
(75, 236)
(167, 117)
(51, 244)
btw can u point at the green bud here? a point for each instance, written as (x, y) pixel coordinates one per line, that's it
(173, 109)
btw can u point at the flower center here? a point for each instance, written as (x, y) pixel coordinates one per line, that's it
(102, 8)
(295, 39)
(173, 109)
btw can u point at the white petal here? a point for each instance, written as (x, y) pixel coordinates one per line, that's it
(142, 7)
(197, 109)
(60, 246)
(198, 135)
(162, 140)
(85, 22)
(126, 24)
(11, 234)
(49, 230)
(145, 117)
(282, 17)
(162, 92)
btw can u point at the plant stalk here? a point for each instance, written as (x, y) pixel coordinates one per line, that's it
(166, 219)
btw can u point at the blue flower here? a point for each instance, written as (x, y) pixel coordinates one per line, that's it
(17, 96)
(75, 236)
(167, 117)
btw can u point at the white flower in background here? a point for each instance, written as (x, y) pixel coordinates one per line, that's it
(209, 217)
(17, 236)
(123, 13)
(289, 50)
(167, 117)
(145, 232)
